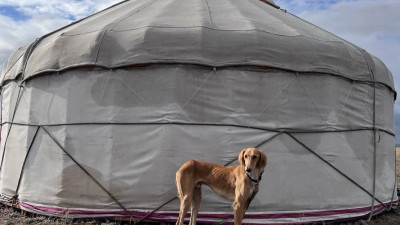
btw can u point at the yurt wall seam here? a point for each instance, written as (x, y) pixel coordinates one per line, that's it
(130, 89)
(345, 101)
(101, 42)
(209, 14)
(9, 68)
(201, 26)
(309, 97)
(194, 94)
(182, 62)
(131, 14)
(272, 101)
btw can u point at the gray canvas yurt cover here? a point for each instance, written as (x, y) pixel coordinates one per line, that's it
(98, 115)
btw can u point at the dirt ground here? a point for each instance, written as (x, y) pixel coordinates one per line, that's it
(10, 216)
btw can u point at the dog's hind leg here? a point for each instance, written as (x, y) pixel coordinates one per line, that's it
(195, 204)
(184, 207)
(185, 188)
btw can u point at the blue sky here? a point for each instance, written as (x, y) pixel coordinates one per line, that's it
(371, 24)
(295, 6)
(13, 12)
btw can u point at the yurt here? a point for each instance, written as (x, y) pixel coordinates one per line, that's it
(98, 116)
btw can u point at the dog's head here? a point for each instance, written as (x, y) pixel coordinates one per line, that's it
(252, 158)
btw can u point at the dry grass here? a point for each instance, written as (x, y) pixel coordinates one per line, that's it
(10, 216)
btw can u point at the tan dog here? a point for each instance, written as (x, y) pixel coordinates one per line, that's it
(238, 183)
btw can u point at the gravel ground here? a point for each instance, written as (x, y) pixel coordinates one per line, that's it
(9, 216)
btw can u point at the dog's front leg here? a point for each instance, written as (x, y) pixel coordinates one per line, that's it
(239, 205)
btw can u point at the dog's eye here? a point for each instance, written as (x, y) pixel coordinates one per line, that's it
(245, 156)
(254, 157)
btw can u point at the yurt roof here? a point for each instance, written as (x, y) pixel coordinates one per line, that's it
(216, 33)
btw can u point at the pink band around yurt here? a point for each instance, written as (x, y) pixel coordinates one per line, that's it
(208, 217)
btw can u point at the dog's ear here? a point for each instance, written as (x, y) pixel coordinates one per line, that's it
(262, 162)
(241, 157)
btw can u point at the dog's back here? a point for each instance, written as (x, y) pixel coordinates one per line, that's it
(194, 173)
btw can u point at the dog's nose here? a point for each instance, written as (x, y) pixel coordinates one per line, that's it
(248, 170)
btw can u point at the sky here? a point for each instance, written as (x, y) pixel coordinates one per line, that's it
(371, 24)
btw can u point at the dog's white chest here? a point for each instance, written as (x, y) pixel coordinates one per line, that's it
(253, 187)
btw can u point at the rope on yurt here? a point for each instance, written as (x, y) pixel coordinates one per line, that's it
(293, 131)
(11, 124)
(394, 185)
(155, 210)
(374, 130)
(336, 169)
(15, 197)
(87, 172)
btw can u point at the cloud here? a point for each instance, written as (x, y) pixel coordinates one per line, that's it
(296, 6)
(359, 17)
(18, 33)
(67, 8)
(31, 19)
